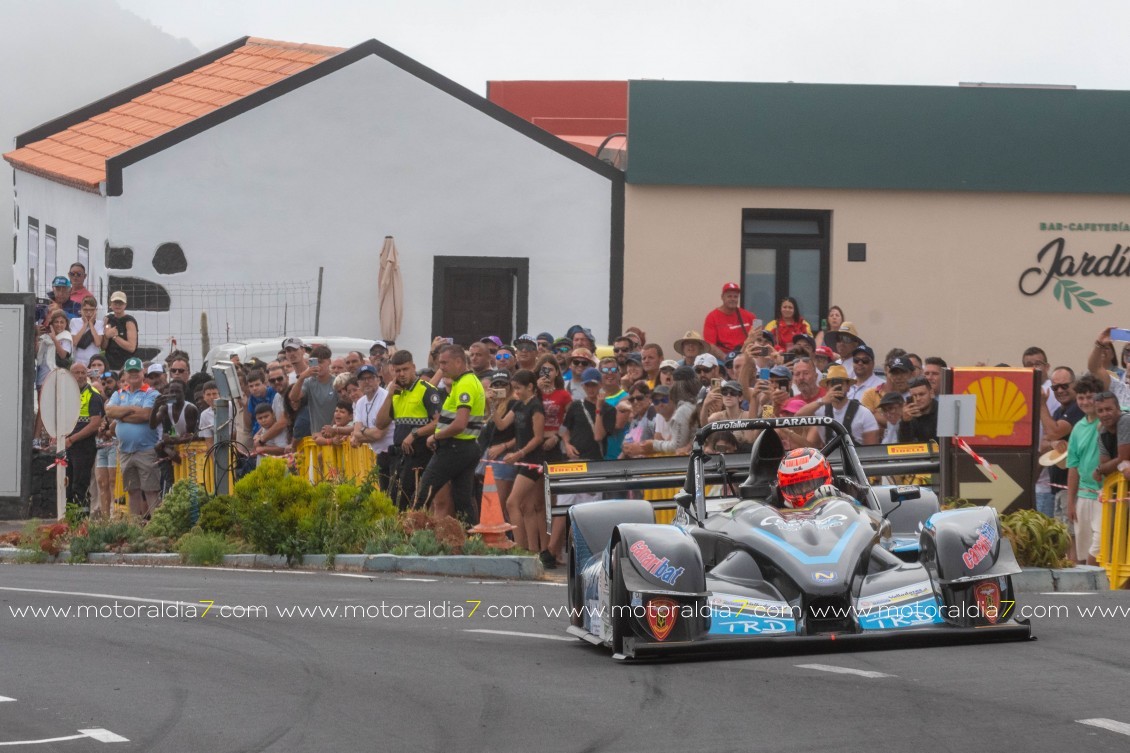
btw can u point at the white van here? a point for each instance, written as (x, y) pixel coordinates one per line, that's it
(267, 349)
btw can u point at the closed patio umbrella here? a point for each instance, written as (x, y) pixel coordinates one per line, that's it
(391, 290)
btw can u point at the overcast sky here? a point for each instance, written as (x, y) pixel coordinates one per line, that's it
(832, 41)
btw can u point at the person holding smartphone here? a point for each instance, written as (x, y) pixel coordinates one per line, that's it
(860, 422)
(526, 503)
(120, 333)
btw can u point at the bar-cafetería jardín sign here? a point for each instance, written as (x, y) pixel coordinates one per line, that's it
(1057, 266)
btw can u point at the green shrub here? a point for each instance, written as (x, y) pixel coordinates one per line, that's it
(474, 545)
(178, 511)
(426, 544)
(216, 515)
(1039, 541)
(404, 550)
(385, 536)
(278, 513)
(199, 547)
(105, 536)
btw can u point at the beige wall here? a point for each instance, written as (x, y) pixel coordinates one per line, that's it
(940, 277)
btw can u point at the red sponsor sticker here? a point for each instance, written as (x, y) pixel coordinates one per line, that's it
(661, 614)
(988, 595)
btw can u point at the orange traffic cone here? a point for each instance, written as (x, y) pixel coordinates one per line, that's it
(492, 526)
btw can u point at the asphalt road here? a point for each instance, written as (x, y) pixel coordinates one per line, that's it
(259, 680)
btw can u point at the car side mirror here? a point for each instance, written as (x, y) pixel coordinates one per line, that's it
(903, 493)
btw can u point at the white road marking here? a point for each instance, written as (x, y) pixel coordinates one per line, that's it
(1069, 593)
(1121, 728)
(843, 670)
(550, 583)
(5, 699)
(523, 635)
(103, 735)
(352, 575)
(102, 596)
(99, 734)
(419, 580)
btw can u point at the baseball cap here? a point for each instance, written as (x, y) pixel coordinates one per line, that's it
(492, 340)
(793, 405)
(635, 358)
(780, 372)
(731, 286)
(60, 282)
(156, 368)
(685, 373)
(866, 350)
(293, 343)
(590, 375)
(499, 377)
(891, 398)
(118, 296)
(367, 369)
(669, 364)
(899, 363)
(825, 351)
(573, 330)
(806, 337)
(530, 339)
(133, 364)
(705, 359)
(731, 384)
(378, 344)
(545, 337)
(661, 389)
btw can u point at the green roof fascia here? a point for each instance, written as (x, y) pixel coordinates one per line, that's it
(930, 138)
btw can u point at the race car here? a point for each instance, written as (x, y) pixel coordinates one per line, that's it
(863, 564)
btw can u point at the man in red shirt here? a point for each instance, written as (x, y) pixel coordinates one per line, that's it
(728, 325)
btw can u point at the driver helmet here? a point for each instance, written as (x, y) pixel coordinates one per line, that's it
(801, 473)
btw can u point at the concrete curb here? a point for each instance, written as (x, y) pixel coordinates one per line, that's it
(502, 567)
(1078, 578)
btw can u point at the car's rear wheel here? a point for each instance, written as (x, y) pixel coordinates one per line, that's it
(576, 584)
(618, 598)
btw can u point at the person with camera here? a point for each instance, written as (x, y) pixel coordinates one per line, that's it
(411, 410)
(859, 422)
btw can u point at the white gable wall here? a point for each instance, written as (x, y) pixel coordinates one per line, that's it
(72, 213)
(318, 177)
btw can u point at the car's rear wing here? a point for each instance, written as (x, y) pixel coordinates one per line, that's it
(670, 473)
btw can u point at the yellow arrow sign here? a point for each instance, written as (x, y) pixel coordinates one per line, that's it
(1001, 492)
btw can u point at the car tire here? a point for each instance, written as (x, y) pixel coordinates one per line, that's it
(618, 597)
(576, 585)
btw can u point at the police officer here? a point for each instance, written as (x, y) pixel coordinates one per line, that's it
(413, 405)
(455, 439)
(81, 442)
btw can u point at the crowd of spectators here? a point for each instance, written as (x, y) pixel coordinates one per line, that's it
(546, 399)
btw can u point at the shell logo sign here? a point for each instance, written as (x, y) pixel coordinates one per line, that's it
(1004, 404)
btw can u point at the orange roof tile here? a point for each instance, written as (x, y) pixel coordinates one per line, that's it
(77, 155)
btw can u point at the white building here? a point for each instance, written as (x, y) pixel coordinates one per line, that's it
(255, 184)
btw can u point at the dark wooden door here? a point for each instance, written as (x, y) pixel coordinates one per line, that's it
(478, 302)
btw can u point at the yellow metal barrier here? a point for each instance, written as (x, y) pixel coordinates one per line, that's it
(195, 463)
(339, 462)
(1114, 550)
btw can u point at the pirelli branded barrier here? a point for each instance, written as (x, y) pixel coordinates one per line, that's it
(1114, 549)
(336, 462)
(644, 475)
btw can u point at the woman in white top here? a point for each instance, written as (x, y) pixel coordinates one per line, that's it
(55, 346)
(87, 331)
